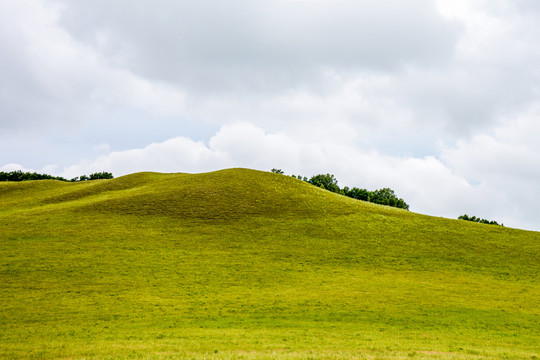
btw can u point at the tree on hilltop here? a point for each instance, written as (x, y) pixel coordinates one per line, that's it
(328, 182)
(358, 194)
(101, 175)
(477, 219)
(384, 196)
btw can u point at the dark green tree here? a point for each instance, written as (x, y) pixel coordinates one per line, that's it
(101, 175)
(386, 196)
(477, 219)
(18, 175)
(325, 181)
(356, 193)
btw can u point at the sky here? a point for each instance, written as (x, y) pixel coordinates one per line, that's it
(436, 99)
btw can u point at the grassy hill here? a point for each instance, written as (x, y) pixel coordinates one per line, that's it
(254, 265)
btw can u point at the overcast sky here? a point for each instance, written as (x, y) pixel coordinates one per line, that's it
(438, 100)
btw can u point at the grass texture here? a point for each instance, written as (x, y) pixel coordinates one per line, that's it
(243, 264)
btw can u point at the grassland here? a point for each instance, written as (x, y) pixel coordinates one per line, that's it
(241, 264)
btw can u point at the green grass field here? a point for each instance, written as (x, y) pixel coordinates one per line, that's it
(242, 264)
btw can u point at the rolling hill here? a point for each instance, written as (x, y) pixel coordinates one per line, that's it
(254, 265)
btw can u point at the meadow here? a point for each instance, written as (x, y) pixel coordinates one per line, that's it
(244, 264)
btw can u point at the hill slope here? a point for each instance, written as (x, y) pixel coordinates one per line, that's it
(247, 264)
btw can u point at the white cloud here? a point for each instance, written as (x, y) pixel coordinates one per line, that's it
(14, 167)
(48, 169)
(178, 154)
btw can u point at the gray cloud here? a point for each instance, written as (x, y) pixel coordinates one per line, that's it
(24, 89)
(260, 44)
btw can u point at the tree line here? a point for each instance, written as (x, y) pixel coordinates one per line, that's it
(478, 220)
(385, 196)
(18, 175)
